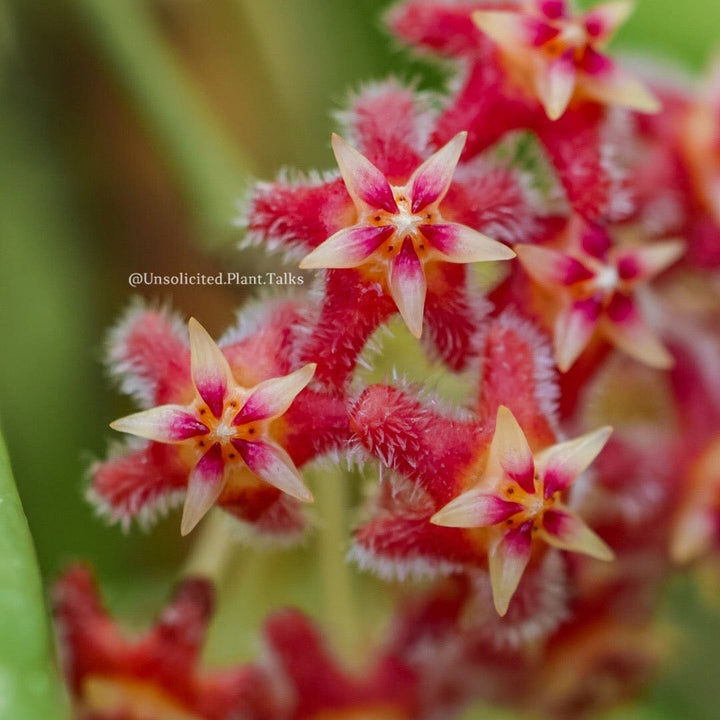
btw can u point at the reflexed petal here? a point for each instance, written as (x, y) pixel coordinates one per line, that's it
(561, 464)
(430, 182)
(556, 84)
(273, 397)
(643, 263)
(367, 186)
(408, 287)
(165, 424)
(211, 373)
(348, 248)
(566, 531)
(602, 21)
(510, 451)
(461, 244)
(574, 328)
(508, 560)
(475, 509)
(271, 463)
(204, 487)
(550, 267)
(625, 328)
(607, 83)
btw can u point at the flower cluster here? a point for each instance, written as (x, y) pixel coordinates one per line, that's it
(548, 229)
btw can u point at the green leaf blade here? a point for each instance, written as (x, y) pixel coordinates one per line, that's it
(29, 684)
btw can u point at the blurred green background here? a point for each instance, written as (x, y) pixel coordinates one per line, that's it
(128, 130)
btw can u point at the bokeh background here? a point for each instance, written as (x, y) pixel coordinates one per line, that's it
(128, 131)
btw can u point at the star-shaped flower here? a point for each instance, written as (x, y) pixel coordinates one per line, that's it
(519, 497)
(225, 428)
(499, 90)
(597, 288)
(558, 55)
(400, 229)
(390, 126)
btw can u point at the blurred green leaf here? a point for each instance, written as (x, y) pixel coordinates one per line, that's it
(29, 686)
(211, 169)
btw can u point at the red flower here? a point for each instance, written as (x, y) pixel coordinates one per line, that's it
(392, 231)
(154, 676)
(596, 291)
(472, 490)
(558, 55)
(534, 66)
(231, 429)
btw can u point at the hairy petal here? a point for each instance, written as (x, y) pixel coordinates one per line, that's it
(386, 121)
(138, 483)
(147, 353)
(530, 391)
(166, 424)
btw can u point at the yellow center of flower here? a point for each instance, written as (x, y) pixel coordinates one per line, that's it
(534, 505)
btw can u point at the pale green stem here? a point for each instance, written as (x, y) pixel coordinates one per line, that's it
(339, 612)
(208, 163)
(213, 549)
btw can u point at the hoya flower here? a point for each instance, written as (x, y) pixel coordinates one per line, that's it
(597, 289)
(400, 229)
(519, 497)
(551, 56)
(558, 55)
(223, 426)
(156, 675)
(385, 254)
(419, 526)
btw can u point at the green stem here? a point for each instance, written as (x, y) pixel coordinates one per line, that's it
(210, 168)
(212, 551)
(339, 612)
(29, 685)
